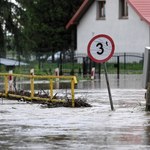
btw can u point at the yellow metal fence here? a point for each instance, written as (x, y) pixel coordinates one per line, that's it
(7, 77)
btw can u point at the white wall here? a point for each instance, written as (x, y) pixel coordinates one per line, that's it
(129, 35)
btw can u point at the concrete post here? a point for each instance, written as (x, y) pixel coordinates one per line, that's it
(57, 73)
(147, 96)
(146, 67)
(92, 73)
(10, 80)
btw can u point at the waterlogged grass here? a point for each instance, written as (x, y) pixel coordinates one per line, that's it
(48, 68)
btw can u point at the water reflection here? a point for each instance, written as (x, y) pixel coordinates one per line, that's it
(125, 81)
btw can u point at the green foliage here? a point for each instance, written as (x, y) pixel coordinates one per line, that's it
(44, 23)
(126, 67)
(2, 69)
(35, 25)
(11, 36)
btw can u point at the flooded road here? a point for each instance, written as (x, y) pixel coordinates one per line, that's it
(29, 126)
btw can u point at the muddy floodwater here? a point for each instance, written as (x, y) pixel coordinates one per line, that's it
(29, 126)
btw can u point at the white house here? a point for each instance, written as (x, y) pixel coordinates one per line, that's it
(126, 21)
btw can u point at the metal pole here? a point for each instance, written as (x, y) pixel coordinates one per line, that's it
(32, 86)
(99, 70)
(32, 83)
(118, 67)
(72, 92)
(6, 85)
(108, 87)
(51, 88)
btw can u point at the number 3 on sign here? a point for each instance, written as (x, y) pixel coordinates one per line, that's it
(101, 48)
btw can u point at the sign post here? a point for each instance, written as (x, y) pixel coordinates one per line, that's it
(108, 87)
(100, 49)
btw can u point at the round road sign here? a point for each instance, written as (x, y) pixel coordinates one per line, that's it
(101, 48)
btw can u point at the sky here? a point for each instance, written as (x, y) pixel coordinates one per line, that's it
(12, 1)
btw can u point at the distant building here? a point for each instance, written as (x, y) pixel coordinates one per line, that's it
(126, 21)
(10, 63)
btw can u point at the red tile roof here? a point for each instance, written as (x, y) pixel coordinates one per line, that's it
(142, 7)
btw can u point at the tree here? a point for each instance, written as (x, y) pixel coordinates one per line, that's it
(37, 25)
(5, 13)
(44, 23)
(10, 27)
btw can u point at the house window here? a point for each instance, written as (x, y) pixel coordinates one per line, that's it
(101, 14)
(123, 9)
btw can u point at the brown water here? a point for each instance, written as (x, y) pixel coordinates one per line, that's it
(29, 126)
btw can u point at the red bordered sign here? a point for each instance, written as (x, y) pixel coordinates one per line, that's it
(101, 48)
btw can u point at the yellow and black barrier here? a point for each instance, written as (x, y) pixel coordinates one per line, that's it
(7, 91)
